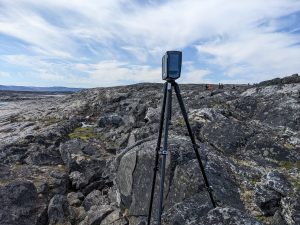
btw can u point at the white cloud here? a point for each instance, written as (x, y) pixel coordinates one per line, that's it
(196, 76)
(4, 75)
(255, 55)
(108, 73)
(241, 38)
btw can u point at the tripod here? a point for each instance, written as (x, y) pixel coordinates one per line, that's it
(165, 118)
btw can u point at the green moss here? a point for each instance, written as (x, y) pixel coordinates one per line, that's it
(289, 165)
(84, 133)
(264, 219)
(295, 182)
(255, 180)
(288, 146)
(4, 182)
(179, 122)
(124, 210)
(50, 121)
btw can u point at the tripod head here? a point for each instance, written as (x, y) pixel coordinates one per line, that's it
(171, 65)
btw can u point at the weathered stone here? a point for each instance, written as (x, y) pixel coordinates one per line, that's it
(188, 210)
(152, 115)
(245, 133)
(226, 216)
(113, 120)
(78, 180)
(20, 204)
(134, 178)
(79, 214)
(41, 156)
(83, 161)
(267, 199)
(114, 218)
(140, 220)
(75, 198)
(59, 211)
(96, 214)
(278, 182)
(95, 198)
(226, 135)
(187, 182)
(69, 151)
(291, 209)
(220, 176)
(277, 219)
(59, 182)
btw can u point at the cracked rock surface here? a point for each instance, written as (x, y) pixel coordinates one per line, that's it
(87, 158)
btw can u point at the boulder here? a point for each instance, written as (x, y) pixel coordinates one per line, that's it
(152, 115)
(291, 208)
(268, 193)
(59, 182)
(187, 210)
(79, 180)
(113, 120)
(266, 199)
(114, 218)
(227, 135)
(20, 204)
(41, 156)
(95, 198)
(226, 215)
(84, 164)
(183, 177)
(96, 214)
(59, 212)
(75, 198)
(278, 182)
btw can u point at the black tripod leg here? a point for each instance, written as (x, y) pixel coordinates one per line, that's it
(163, 107)
(164, 152)
(185, 116)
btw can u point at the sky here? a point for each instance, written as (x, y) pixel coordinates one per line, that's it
(99, 43)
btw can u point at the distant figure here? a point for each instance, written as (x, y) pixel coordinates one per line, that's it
(221, 86)
(206, 87)
(233, 87)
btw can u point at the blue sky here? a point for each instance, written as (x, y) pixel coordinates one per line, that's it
(115, 42)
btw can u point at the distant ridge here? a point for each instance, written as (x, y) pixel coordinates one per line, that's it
(38, 89)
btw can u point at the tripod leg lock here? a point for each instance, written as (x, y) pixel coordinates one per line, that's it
(163, 152)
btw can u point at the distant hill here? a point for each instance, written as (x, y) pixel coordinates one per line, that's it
(42, 89)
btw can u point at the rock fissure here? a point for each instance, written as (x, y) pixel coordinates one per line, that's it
(56, 171)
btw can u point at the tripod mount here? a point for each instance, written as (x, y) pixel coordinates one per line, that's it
(161, 154)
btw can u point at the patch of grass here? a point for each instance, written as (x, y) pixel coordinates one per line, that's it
(264, 219)
(295, 182)
(246, 163)
(52, 120)
(4, 182)
(288, 146)
(254, 180)
(179, 122)
(289, 165)
(247, 195)
(84, 133)
(124, 210)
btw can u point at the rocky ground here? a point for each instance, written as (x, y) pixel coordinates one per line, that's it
(87, 158)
